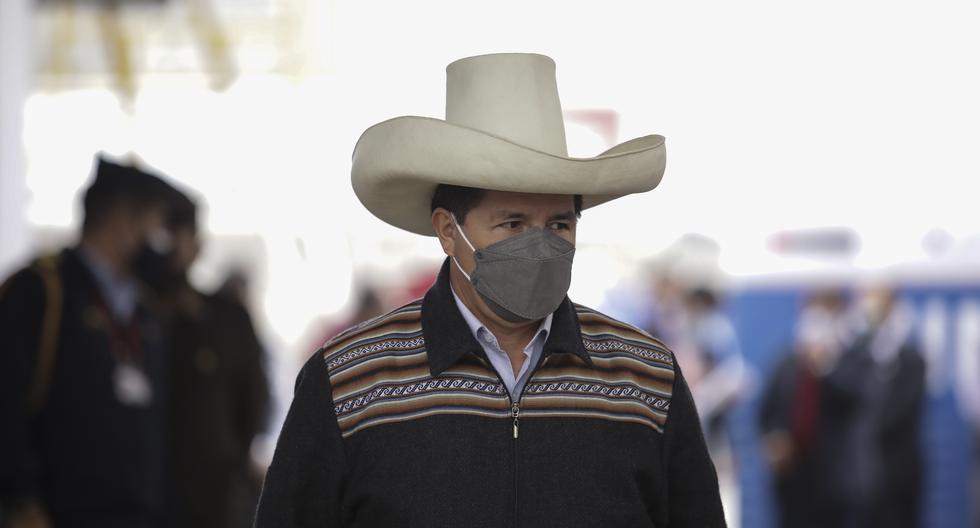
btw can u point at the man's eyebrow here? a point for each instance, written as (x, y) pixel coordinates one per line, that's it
(567, 215)
(505, 213)
(518, 215)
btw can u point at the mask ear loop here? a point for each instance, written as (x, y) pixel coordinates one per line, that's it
(462, 234)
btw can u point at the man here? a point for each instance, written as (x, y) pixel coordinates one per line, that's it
(887, 441)
(494, 401)
(807, 415)
(81, 371)
(217, 388)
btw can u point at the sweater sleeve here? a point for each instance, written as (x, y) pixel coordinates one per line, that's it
(22, 304)
(693, 500)
(251, 385)
(305, 482)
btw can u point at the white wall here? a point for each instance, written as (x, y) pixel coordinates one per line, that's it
(15, 24)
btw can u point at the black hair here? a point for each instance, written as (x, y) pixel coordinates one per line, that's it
(704, 297)
(460, 200)
(182, 211)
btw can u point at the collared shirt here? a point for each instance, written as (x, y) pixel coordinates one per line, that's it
(498, 357)
(120, 294)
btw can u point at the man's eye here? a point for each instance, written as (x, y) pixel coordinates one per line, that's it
(513, 224)
(558, 226)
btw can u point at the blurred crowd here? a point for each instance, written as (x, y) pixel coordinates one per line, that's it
(838, 412)
(842, 413)
(128, 398)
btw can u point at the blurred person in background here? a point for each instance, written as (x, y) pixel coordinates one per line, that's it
(889, 438)
(659, 304)
(841, 416)
(721, 380)
(371, 298)
(804, 432)
(680, 300)
(494, 400)
(367, 306)
(82, 371)
(689, 306)
(659, 307)
(968, 391)
(235, 287)
(720, 375)
(685, 308)
(218, 394)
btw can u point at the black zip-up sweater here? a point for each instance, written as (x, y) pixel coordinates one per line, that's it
(402, 421)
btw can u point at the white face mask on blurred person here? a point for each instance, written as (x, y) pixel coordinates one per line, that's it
(160, 240)
(818, 337)
(874, 307)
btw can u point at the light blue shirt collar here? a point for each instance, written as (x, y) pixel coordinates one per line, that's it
(498, 357)
(121, 294)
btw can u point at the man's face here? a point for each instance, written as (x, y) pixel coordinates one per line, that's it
(186, 248)
(876, 304)
(501, 215)
(135, 225)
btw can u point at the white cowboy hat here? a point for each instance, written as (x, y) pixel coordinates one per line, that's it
(503, 131)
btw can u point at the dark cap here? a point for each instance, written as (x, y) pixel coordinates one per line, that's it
(182, 210)
(116, 184)
(127, 182)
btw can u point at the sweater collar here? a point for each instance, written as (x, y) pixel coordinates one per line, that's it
(448, 338)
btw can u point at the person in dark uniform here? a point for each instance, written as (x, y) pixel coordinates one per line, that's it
(81, 371)
(218, 390)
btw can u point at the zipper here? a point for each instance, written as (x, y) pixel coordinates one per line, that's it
(515, 411)
(515, 407)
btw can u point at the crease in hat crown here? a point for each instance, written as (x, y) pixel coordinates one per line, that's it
(510, 95)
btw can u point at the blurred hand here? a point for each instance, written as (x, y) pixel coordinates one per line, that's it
(189, 303)
(691, 362)
(821, 359)
(32, 516)
(256, 471)
(779, 451)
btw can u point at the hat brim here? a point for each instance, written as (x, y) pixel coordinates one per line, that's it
(398, 163)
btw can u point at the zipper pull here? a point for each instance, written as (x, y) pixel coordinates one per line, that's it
(515, 410)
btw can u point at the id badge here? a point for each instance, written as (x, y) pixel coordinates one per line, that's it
(132, 386)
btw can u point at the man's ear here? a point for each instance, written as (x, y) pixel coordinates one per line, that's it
(445, 229)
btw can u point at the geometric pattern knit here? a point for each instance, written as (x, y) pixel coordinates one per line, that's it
(379, 373)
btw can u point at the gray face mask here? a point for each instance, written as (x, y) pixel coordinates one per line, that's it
(524, 277)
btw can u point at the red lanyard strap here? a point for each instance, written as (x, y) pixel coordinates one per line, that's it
(127, 339)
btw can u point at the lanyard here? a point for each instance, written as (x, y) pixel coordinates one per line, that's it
(127, 339)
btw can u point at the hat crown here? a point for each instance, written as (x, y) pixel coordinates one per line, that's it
(510, 95)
